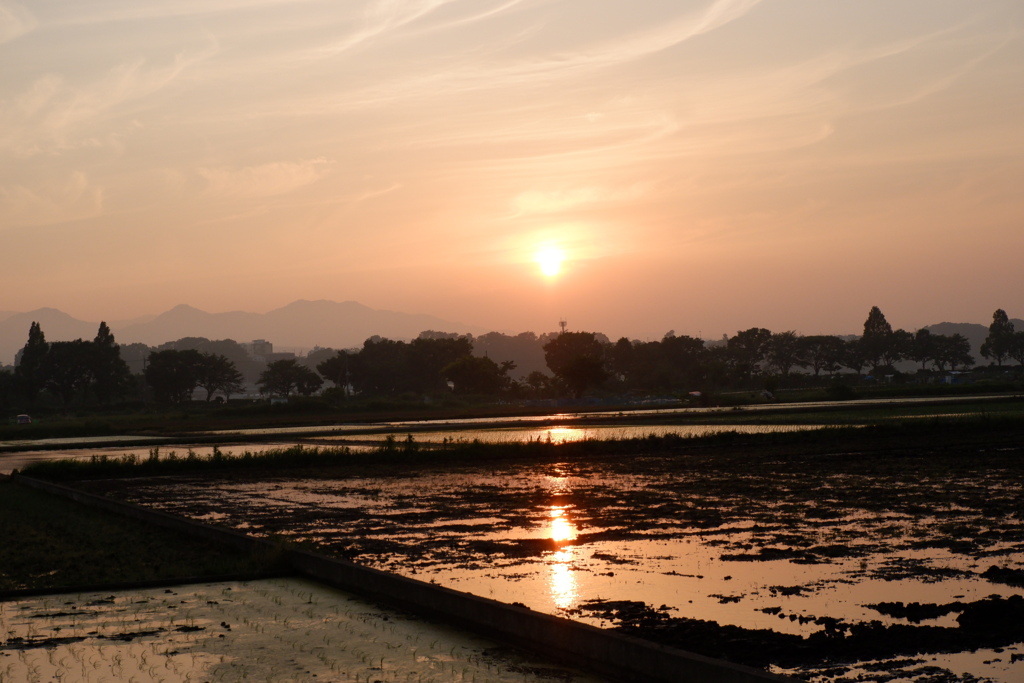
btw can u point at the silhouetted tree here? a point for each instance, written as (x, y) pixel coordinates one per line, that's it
(877, 340)
(784, 351)
(428, 357)
(110, 374)
(66, 369)
(283, 377)
(647, 369)
(29, 372)
(478, 375)
(899, 348)
(1000, 333)
(173, 375)
(1015, 349)
(538, 385)
(576, 358)
(336, 369)
(620, 359)
(954, 350)
(218, 373)
(684, 357)
(748, 349)
(941, 350)
(717, 367)
(379, 369)
(922, 350)
(8, 390)
(248, 366)
(853, 355)
(822, 352)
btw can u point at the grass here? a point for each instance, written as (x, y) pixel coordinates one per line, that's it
(48, 542)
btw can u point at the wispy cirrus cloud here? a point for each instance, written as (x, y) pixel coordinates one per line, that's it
(81, 14)
(556, 201)
(55, 113)
(381, 17)
(15, 21)
(493, 74)
(263, 180)
(74, 197)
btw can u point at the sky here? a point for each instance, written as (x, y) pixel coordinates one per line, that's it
(701, 166)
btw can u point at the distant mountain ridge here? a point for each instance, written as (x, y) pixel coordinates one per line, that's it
(301, 324)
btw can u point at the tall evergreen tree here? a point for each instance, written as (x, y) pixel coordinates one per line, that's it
(30, 373)
(1000, 338)
(878, 339)
(110, 373)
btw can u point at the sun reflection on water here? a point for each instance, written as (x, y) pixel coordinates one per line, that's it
(561, 528)
(564, 590)
(562, 434)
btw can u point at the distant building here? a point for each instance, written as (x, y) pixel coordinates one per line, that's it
(259, 349)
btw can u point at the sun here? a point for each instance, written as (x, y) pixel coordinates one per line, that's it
(550, 260)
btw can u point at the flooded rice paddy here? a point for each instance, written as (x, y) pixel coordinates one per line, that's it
(270, 630)
(855, 567)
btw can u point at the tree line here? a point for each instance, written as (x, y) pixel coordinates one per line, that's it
(96, 372)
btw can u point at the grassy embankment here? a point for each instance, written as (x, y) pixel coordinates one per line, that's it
(54, 543)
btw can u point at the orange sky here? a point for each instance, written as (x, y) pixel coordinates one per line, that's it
(705, 166)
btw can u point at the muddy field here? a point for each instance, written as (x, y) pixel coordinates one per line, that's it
(902, 565)
(268, 630)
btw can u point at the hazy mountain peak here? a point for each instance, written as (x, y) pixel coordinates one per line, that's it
(183, 310)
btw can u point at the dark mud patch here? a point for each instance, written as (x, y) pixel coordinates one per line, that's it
(916, 612)
(34, 642)
(990, 623)
(1010, 577)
